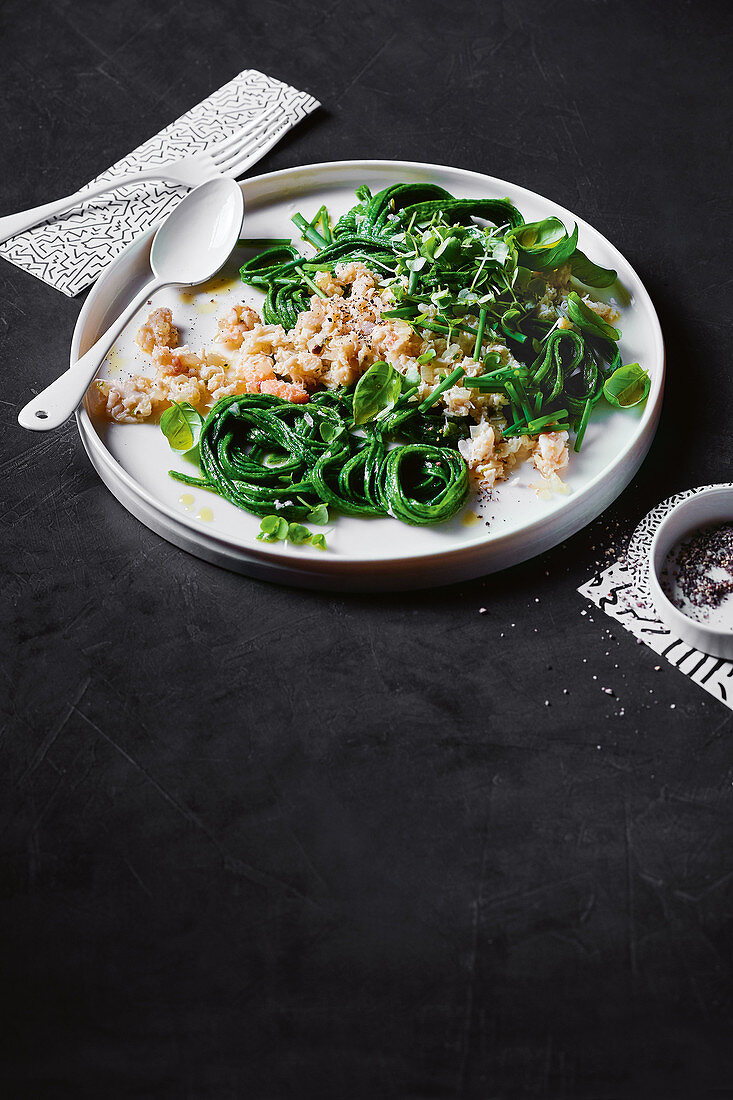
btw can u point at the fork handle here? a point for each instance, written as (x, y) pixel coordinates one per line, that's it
(13, 224)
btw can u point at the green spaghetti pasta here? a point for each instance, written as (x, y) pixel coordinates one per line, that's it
(268, 456)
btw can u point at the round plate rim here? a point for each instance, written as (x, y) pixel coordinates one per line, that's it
(641, 439)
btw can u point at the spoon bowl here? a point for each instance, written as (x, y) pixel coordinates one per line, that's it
(196, 240)
(189, 247)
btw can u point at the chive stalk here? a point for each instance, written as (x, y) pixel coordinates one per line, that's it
(262, 242)
(322, 218)
(479, 334)
(406, 313)
(453, 377)
(309, 232)
(542, 421)
(314, 286)
(583, 424)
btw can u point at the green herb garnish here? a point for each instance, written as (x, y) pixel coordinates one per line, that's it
(589, 273)
(376, 392)
(273, 529)
(544, 245)
(277, 529)
(181, 425)
(298, 534)
(628, 386)
(318, 515)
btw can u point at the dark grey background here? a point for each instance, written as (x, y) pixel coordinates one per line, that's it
(265, 843)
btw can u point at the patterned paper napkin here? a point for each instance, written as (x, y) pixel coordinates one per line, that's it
(70, 252)
(622, 592)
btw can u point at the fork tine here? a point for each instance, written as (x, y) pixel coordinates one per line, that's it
(233, 141)
(230, 166)
(254, 142)
(242, 147)
(236, 164)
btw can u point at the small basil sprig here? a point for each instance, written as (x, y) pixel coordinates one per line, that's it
(181, 425)
(586, 318)
(627, 386)
(376, 392)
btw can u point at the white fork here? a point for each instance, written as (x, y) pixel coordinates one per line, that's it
(229, 157)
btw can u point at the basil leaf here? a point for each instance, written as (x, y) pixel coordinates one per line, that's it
(425, 357)
(544, 245)
(627, 386)
(589, 273)
(319, 514)
(181, 425)
(540, 234)
(319, 541)
(586, 318)
(376, 392)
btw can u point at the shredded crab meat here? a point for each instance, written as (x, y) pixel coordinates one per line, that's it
(158, 331)
(234, 324)
(550, 454)
(490, 457)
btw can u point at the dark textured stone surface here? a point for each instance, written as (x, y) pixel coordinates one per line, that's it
(265, 843)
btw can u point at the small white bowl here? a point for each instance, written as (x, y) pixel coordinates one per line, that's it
(705, 509)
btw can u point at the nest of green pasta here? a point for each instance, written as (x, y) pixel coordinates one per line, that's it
(272, 457)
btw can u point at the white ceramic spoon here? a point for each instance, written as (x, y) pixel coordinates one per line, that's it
(190, 246)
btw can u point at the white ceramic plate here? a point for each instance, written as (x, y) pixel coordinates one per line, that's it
(133, 460)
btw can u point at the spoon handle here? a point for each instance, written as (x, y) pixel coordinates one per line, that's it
(58, 401)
